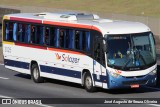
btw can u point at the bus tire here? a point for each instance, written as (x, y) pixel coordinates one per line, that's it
(35, 74)
(88, 83)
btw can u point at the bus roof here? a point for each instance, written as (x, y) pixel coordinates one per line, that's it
(81, 20)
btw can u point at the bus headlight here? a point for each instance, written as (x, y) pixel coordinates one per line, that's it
(154, 72)
(113, 74)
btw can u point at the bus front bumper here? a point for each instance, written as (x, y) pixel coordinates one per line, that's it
(131, 82)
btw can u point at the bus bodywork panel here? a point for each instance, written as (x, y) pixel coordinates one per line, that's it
(53, 63)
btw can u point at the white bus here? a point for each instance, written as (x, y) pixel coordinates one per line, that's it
(80, 48)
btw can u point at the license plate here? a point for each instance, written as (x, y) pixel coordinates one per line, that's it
(135, 86)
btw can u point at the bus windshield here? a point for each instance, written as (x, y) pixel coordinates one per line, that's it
(131, 51)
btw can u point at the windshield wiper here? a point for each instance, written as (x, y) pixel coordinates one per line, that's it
(130, 52)
(137, 55)
(126, 63)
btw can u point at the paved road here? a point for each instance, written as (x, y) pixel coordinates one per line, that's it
(16, 85)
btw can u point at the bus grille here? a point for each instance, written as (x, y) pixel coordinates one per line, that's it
(135, 77)
(134, 82)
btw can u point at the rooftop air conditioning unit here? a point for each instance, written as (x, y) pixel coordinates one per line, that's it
(68, 16)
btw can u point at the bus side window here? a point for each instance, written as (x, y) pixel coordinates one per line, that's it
(19, 32)
(15, 31)
(78, 35)
(67, 39)
(41, 36)
(56, 40)
(83, 41)
(33, 34)
(27, 33)
(37, 35)
(52, 36)
(9, 31)
(22, 33)
(86, 41)
(97, 52)
(47, 36)
(103, 57)
(71, 39)
(61, 37)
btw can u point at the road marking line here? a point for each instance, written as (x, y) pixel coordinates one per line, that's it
(4, 78)
(1, 64)
(42, 105)
(1, 96)
(156, 105)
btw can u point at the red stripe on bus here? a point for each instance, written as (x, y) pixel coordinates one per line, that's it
(31, 46)
(25, 20)
(65, 51)
(95, 28)
(71, 25)
(45, 48)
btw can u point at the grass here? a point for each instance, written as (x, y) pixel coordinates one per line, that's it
(130, 7)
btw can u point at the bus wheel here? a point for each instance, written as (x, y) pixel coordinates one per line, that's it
(88, 83)
(35, 74)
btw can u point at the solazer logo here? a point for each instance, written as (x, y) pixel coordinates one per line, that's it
(57, 56)
(67, 58)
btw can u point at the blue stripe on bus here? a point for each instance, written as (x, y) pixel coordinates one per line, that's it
(52, 70)
(102, 78)
(47, 69)
(17, 64)
(60, 71)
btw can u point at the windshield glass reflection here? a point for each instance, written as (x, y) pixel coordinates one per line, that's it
(131, 51)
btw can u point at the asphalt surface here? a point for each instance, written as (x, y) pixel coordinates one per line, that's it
(16, 85)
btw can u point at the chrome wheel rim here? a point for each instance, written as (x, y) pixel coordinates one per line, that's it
(88, 82)
(35, 73)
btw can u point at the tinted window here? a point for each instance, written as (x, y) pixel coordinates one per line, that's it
(62, 35)
(37, 35)
(9, 31)
(47, 36)
(78, 42)
(21, 32)
(52, 36)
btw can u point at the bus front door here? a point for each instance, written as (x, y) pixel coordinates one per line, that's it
(98, 64)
